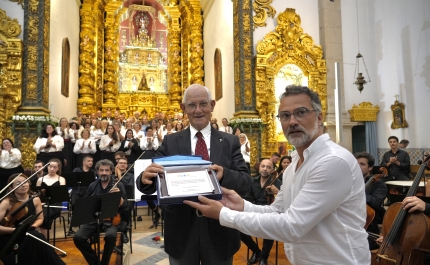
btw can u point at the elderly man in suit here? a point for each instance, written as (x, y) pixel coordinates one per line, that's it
(190, 239)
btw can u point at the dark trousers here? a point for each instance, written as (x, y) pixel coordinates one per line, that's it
(86, 232)
(250, 243)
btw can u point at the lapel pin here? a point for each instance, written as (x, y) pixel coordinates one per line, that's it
(220, 140)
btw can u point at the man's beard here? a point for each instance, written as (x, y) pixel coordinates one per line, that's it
(305, 136)
(104, 178)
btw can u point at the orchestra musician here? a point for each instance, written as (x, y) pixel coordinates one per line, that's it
(376, 193)
(103, 184)
(261, 184)
(30, 250)
(53, 178)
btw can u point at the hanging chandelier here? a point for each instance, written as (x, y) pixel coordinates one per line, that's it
(360, 79)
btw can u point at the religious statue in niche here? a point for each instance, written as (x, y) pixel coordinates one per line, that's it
(134, 83)
(143, 39)
(398, 110)
(143, 85)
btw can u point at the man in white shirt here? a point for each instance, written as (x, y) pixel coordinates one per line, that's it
(320, 211)
(225, 127)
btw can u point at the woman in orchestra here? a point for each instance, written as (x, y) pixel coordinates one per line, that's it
(283, 164)
(245, 148)
(130, 147)
(31, 251)
(109, 144)
(10, 161)
(69, 138)
(49, 145)
(53, 178)
(84, 146)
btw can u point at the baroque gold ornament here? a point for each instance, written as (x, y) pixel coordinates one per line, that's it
(11, 52)
(287, 44)
(262, 9)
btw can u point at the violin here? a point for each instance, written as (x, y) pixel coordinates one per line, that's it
(406, 235)
(270, 196)
(18, 211)
(370, 212)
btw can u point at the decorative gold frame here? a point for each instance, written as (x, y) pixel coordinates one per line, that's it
(287, 44)
(365, 111)
(399, 119)
(65, 68)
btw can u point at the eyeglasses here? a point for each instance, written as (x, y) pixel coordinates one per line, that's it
(193, 106)
(299, 114)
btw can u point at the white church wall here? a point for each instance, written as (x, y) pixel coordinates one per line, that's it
(14, 11)
(218, 33)
(394, 38)
(64, 23)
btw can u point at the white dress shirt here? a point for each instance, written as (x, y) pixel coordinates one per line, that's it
(246, 155)
(77, 149)
(206, 132)
(226, 129)
(144, 144)
(104, 144)
(319, 213)
(8, 161)
(68, 134)
(57, 140)
(97, 134)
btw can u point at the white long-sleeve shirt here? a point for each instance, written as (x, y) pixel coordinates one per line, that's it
(144, 144)
(57, 140)
(68, 134)
(246, 155)
(104, 144)
(97, 134)
(319, 213)
(77, 149)
(8, 161)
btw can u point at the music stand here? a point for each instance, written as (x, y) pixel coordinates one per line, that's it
(50, 195)
(77, 180)
(94, 209)
(17, 236)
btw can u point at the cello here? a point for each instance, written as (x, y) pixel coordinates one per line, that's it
(406, 235)
(370, 212)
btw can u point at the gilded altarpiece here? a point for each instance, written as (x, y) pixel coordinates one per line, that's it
(286, 50)
(144, 57)
(11, 52)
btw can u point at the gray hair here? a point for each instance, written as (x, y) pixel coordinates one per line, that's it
(184, 99)
(105, 162)
(292, 90)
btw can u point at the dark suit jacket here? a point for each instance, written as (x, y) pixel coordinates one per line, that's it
(225, 151)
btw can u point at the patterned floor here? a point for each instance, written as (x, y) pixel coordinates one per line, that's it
(147, 251)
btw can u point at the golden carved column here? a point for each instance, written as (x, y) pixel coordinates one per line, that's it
(100, 30)
(174, 54)
(36, 58)
(110, 87)
(196, 44)
(186, 21)
(10, 69)
(86, 55)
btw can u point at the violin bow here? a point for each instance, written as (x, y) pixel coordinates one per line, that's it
(22, 183)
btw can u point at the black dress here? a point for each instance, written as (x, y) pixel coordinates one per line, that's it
(53, 211)
(132, 153)
(31, 251)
